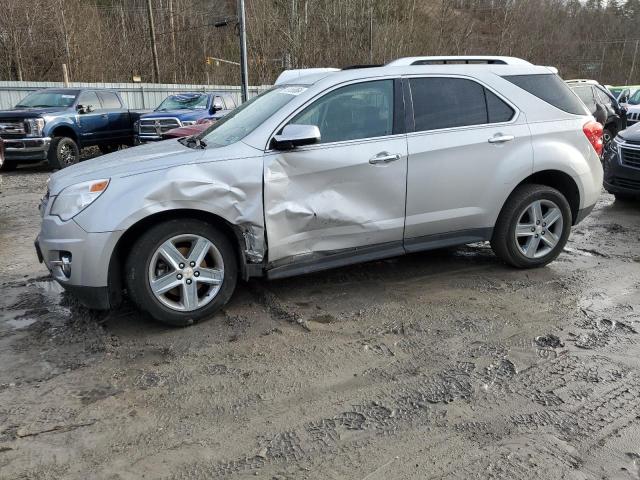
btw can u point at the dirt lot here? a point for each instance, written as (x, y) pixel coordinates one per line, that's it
(438, 365)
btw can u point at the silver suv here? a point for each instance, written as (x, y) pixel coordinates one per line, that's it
(332, 169)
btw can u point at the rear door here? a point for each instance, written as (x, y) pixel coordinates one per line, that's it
(467, 149)
(94, 124)
(119, 127)
(349, 190)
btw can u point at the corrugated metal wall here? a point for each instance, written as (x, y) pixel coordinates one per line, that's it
(135, 95)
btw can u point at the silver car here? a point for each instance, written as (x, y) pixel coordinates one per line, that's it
(333, 169)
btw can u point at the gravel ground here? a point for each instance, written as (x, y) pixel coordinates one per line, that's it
(438, 365)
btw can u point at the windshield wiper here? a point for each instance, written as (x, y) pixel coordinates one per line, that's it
(193, 142)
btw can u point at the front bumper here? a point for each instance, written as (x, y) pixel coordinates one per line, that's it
(148, 138)
(79, 261)
(620, 177)
(26, 148)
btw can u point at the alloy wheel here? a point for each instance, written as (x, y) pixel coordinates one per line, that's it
(539, 229)
(186, 272)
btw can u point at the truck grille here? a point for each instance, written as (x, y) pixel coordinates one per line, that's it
(157, 126)
(630, 157)
(12, 129)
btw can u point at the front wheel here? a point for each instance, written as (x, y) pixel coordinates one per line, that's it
(533, 227)
(181, 271)
(63, 152)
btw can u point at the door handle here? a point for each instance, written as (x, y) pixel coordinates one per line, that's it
(384, 157)
(499, 138)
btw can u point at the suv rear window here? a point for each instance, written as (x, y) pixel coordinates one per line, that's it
(551, 89)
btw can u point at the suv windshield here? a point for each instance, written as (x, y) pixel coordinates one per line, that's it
(246, 118)
(191, 101)
(635, 98)
(49, 99)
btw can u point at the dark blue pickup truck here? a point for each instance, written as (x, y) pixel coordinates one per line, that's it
(182, 110)
(53, 124)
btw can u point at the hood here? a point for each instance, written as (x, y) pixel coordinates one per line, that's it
(631, 134)
(145, 158)
(183, 114)
(28, 112)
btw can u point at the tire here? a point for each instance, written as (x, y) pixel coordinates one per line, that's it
(63, 152)
(110, 148)
(519, 207)
(171, 307)
(8, 166)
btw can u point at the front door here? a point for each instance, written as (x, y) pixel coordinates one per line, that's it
(93, 124)
(349, 190)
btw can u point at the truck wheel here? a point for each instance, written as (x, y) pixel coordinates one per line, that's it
(533, 227)
(105, 149)
(181, 271)
(63, 152)
(8, 166)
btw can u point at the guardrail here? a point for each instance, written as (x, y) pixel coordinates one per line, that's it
(135, 95)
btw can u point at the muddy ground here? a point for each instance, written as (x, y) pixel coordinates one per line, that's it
(438, 365)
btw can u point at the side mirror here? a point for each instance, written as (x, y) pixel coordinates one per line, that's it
(293, 136)
(217, 105)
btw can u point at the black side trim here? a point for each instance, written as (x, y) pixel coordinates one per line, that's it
(341, 258)
(582, 214)
(450, 239)
(398, 108)
(95, 298)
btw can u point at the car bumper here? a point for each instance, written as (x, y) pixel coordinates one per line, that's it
(618, 176)
(77, 260)
(26, 148)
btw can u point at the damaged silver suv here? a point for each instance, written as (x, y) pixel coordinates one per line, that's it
(332, 169)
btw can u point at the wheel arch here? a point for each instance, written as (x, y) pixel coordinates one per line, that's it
(123, 246)
(65, 131)
(561, 181)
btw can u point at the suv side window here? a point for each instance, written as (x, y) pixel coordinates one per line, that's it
(440, 102)
(604, 98)
(110, 100)
(586, 95)
(357, 111)
(89, 97)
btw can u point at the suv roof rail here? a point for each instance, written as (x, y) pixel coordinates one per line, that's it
(355, 67)
(458, 59)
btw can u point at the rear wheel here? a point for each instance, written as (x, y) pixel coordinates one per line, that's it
(181, 271)
(110, 148)
(533, 227)
(63, 152)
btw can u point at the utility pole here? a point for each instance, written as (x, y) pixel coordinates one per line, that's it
(154, 50)
(633, 64)
(244, 69)
(173, 41)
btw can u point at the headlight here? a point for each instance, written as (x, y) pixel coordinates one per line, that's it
(34, 127)
(75, 198)
(136, 125)
(190, 122)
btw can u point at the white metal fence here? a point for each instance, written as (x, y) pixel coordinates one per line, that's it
(135, 95)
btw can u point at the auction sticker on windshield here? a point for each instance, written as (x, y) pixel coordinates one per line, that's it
(293, 90)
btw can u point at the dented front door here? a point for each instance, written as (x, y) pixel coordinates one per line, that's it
(349, 190)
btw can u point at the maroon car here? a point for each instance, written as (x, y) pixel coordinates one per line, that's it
(189, 130)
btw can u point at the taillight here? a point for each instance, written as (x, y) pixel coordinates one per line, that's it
(593, 131)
